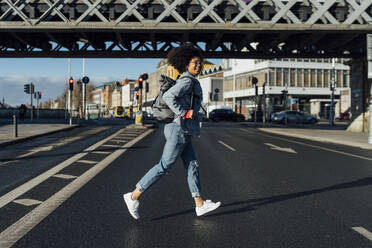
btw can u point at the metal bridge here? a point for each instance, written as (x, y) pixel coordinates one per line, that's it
(149, 28)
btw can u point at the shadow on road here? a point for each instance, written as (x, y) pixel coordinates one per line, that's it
(253, 204)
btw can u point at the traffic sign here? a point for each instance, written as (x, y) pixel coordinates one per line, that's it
(85, 80)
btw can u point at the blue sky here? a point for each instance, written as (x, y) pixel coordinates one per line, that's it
(50, 75)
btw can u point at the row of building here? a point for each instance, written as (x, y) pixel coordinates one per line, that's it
(306, 83)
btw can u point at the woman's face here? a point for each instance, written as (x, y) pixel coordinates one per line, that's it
(194, 66)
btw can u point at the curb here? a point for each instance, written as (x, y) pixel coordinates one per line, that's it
(324, 140)
(19, 140)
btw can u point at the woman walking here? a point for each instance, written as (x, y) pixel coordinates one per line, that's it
(187, 59)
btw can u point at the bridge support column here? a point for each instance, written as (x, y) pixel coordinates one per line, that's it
(360, 87)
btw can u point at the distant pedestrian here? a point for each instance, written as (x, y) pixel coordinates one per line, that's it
(187, 59)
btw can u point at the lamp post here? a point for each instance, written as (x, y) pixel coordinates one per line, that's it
(332, 109)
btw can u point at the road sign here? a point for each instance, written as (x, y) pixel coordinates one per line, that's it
(85, 80)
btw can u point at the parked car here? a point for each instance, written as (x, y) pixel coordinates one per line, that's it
(289, 116)
(225, 114)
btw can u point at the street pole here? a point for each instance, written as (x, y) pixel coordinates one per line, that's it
(84, 103)
(32, 106)
(15, 126)
(264, 100)
(37, 106)
(70, 106)
(369, 58)
(331, 109)
(234, 82)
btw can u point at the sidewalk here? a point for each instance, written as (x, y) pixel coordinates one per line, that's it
(321, 132)
(29, 131)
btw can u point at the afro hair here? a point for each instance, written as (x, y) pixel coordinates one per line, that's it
(180, 57)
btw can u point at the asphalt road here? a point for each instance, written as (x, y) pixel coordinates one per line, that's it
(275, 192)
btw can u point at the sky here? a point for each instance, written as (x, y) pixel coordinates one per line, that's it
(50, 75)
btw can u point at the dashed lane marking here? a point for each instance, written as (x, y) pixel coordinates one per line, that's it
(20, 228)
(10, 196)
(226, 145)
(314, 146)
(367, 234)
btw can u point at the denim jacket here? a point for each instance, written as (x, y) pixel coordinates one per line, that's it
(178, 100)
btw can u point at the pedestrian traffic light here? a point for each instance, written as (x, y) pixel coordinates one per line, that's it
(26, 88)
(39, 94)
(71, 83)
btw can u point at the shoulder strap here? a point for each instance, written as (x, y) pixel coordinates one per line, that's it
(192, 91)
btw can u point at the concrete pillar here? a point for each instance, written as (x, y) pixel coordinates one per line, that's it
(360, 92)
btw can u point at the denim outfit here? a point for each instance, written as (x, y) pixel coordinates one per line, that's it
(178, 135)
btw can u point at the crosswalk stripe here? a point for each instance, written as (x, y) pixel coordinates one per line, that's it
(87, 161)
(65, 176)
(27, 202)
(101, 152)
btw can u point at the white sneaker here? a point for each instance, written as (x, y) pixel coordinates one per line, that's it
(132, 205)
(208, 206)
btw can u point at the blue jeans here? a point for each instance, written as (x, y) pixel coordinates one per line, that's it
(177, 143)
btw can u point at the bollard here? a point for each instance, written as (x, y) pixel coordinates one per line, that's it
(15, 124)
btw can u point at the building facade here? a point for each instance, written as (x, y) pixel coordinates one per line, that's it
(303, 80)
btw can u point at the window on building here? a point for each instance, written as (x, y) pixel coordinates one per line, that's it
(346, 79)
(306, 78)
(272, 77)
(339, 78)
(312, 78)
(293, 77)
(228, 84)
(326, 78)
(319, 82)
(279, 80)
(285, 77)
(300, 78)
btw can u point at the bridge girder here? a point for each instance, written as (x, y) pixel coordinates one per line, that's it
(149, 28)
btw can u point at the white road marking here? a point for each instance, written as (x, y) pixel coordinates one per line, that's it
(20, 228)
(274, 147)
(7, 162)
(367, 234)
(111, 145)
(10, 196)
(101, 152)
(226, 145)
(120, 141)
(314, 146)
(27, 202)
(36, 150)
(87, 161)
(64, 176)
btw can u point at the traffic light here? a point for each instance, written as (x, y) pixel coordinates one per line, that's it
(284, 93)
(147, 87)
(32, 89)
(71, 83)
(39, 94)
(137, 95)
(140, 82)
(26, 88)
